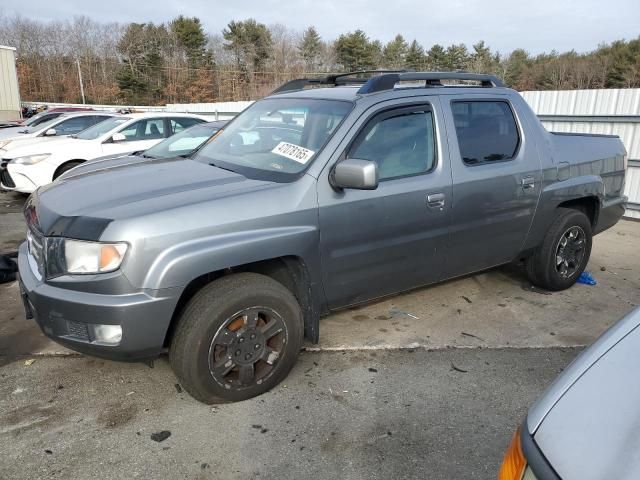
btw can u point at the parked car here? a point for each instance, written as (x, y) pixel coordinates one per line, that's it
(183, 144)
(27, 168)
(584, 427)
(60, 126)
(309, 201)
(28, 122)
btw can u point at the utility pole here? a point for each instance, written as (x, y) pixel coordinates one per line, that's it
(80, 77)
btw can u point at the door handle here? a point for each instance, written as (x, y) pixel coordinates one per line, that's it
(435, 200)
(528, 183)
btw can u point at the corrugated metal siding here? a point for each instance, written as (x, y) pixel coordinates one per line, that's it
(9, 93)
(607, 111)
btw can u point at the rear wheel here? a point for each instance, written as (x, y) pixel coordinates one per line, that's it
(238, 337)
(564, 253)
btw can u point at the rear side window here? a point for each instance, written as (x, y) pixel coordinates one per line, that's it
(486, 131)
(149, 129)
(179, 124)
(400, 142)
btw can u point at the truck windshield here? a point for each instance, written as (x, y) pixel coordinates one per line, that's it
(277, 136)
(101, 128)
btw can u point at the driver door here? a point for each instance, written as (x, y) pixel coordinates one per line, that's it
(379, 242)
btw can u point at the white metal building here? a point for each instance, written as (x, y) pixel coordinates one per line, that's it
(607, 111)
(9, 92)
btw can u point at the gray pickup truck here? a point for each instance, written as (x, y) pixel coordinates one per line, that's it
(328, 193)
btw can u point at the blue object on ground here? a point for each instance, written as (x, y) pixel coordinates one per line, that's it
(586, 279)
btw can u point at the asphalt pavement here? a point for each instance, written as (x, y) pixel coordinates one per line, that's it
(445, 414)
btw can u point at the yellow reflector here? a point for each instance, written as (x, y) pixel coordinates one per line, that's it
(514, 463)
(109, 256)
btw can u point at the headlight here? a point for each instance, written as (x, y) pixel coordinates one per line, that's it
(81, 257)
(30, 159)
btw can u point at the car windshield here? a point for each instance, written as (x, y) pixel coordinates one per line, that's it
(276, 135)
(182, 144)
(101, 128)
(40, 119)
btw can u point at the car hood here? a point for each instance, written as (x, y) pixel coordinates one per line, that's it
(29, 145)
(83, 206)
(586, 424)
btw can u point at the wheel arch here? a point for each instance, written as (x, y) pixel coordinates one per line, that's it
(60, 168)
(290, 271)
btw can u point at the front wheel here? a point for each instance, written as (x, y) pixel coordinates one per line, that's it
(237, 338)
(564, 253)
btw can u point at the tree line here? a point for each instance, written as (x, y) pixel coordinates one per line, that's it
(179, 62)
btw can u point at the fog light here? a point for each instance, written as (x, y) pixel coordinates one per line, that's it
(109, 334)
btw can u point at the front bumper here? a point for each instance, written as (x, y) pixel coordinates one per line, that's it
(64, 315)
(15, 180)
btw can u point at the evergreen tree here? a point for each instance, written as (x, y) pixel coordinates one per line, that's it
(354, 51)
(394, 54)
(310, 48)
(415, 58)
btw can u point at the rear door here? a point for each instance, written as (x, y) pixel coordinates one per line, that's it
(378, 242)
(496, 181)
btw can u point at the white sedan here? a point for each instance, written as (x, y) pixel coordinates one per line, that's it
(26, 168)
(54, 128)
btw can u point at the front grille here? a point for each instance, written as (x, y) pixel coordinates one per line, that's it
(5, 178)
(78, 330)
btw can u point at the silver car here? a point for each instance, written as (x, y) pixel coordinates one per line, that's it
(585, 427)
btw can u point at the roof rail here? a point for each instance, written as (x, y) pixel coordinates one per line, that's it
(388, 82)
(333, 79)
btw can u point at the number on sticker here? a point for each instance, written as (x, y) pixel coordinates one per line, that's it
(293, 152)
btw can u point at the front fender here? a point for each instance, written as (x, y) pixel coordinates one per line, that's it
(179, 264)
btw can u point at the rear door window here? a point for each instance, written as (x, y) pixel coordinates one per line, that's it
(178, 124)
(486, 131)
(148, 129)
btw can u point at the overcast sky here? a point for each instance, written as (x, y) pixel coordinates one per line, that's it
(537, 26)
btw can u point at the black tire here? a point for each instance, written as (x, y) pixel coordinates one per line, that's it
(543, 267)
(213, 314)
(65, 167)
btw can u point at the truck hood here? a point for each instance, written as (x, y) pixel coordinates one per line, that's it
(103, 164)
(83, 206)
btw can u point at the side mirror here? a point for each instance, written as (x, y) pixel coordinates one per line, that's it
(118, 137)
(50, 133)
(356, 174)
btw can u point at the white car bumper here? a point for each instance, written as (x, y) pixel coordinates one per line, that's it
(24, 178)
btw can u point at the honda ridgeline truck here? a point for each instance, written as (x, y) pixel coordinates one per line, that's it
(328, 193)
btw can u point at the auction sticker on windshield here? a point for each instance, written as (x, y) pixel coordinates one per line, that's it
(293, 152)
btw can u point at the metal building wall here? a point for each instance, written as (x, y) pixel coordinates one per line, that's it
(9, 93)
(610, 111)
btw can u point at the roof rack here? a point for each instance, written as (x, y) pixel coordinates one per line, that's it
(334, 79)
(431, 79)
